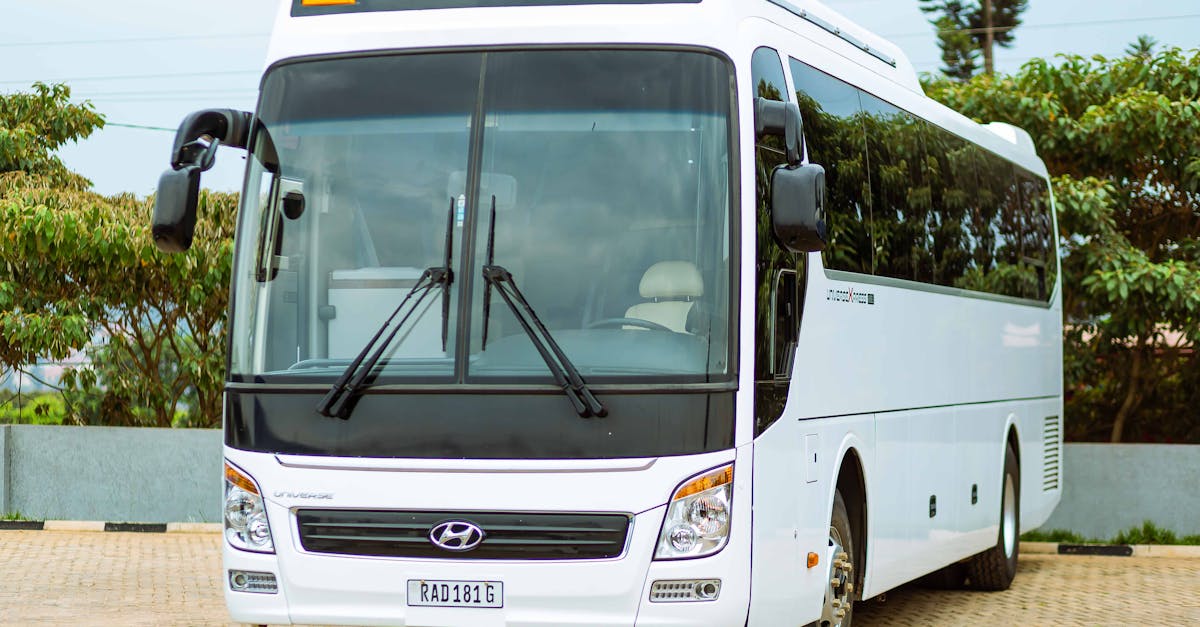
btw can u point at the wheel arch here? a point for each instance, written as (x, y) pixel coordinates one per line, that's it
(851, 482)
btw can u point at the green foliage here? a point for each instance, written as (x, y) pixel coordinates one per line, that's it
(1060, 536)
(32, 409)
(79, 266)
(1122, 137)
(1147, 533)
(33, 125)
(962, 35)
(76, 267)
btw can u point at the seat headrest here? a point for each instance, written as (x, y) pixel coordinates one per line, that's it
(671, 279)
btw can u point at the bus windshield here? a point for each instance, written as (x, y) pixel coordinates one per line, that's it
(600, 177)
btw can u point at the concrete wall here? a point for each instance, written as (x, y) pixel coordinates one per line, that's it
(118, 474)
(1108, 488)
(111, 474)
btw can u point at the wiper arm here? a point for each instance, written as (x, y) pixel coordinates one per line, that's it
(337, 402)
(566, 375)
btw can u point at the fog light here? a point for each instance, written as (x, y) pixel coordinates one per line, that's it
(684, 590)
(248, 581)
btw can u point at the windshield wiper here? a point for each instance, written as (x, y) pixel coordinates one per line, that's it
(566, 375)
(338, 401)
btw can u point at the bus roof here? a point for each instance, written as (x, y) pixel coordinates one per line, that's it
(808, 18)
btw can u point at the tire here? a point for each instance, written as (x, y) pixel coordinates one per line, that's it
(838, 610)
(951, 577)
(995, 568)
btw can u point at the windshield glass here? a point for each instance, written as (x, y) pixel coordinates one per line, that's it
(608, 173)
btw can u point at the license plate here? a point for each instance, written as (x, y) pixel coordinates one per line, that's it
(436, 593)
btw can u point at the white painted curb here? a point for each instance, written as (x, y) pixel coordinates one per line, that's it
(73, 525)
(193, 527)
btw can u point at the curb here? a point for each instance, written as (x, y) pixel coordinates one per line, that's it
(1118, 550)
(90, 526)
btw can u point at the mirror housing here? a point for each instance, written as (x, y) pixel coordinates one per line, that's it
(798, 207)
(193, 152)
(781, 119)
(175, 209)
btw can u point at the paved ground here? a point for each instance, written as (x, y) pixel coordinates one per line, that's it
(63, 578)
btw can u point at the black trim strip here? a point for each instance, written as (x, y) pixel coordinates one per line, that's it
(1112, 550)
(946, 406)
(136, 527)
(22, 525)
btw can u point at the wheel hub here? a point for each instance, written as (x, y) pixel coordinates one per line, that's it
(839, 593)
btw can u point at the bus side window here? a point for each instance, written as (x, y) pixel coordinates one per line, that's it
(775, 326)
(786, 330)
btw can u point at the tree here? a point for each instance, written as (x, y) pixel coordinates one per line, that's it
(967, 30)
(1122, 138)
(34, 125)
(1142, 48)
(77, 267)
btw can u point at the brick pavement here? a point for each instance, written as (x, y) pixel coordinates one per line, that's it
(103, 579)
(1056, 590)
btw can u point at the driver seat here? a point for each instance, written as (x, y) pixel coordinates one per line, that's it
(671, 289)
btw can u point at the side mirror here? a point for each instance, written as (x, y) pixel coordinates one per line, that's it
(781, 119)
(798, 207)
(175, 209)
(194, 151)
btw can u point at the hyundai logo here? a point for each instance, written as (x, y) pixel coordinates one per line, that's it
(456, 535)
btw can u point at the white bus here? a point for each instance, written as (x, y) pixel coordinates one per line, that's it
(616, 312)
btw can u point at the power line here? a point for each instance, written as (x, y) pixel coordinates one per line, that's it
(124, 77)
(89, 42)
(139, 127)
(1077, 23)
(79, 93)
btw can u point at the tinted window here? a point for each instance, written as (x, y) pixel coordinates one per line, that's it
(909, 200)
(778, 272)
(901, 202)
(833, 128)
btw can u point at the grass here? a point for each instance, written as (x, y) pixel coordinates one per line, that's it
(13, 516)
(1147, 533)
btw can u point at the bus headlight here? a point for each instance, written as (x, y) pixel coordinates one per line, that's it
(246, 526)
(697, 520)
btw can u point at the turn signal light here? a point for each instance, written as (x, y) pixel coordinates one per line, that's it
(723, 476)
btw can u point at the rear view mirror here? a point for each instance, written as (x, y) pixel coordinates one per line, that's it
(194, 151)
(175, 209)
(798, 207)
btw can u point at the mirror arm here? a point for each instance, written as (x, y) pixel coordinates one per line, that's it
(219, 126)
(781, 119)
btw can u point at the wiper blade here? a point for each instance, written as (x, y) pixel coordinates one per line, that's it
(338, 401)
(566, 375)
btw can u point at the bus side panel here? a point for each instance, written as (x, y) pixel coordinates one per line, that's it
(795, 475)
(1040, 432)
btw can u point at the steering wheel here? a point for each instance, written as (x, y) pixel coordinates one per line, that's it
(628, 322)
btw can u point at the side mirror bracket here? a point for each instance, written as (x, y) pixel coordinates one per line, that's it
(781, 119)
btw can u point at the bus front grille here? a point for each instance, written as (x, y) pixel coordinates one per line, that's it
(520, 536)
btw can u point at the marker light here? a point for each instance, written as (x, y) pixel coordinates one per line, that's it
(325, 3)
(246, 525)
(697, 520)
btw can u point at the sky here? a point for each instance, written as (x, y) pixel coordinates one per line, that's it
(148, 63)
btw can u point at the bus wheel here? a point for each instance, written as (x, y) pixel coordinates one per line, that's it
(839, 594)
(995, 568)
